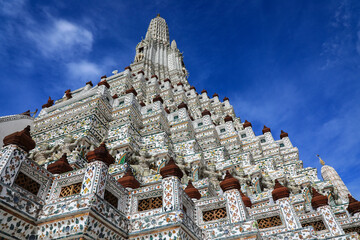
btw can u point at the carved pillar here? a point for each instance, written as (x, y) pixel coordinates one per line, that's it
(330, 220)
(171, 185)
(291, 220)
(10, 162)
(281, 195)
(319, 202)
(235, 206)
(285, 137)
(206, 116)
(267, 133)
(16, 147)
(94, 180)
(248, 129)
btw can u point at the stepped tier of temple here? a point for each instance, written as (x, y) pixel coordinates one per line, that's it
(142, 154)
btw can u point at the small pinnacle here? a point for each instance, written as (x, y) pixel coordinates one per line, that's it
(321, 161)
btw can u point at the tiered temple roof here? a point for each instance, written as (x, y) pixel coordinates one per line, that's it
(143, 155)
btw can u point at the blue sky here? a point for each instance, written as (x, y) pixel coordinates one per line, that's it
(292, 65)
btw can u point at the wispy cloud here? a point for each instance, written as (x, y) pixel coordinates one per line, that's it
(340, 47)
(12, 8)
(83, 70)
(62, 39)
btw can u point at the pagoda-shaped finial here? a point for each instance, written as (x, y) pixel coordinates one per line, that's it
(100, 154)
(354, 205)
(280, 191)
(321, 161)
(158, 30)
(192, 192)
(318, 200)
(283, 134)
(129, 180)
(49, 103)
(60, 166)
(171, 169)
(229, 182)
(266, 129)
(21, 139)
(246, 200)
(247, 124)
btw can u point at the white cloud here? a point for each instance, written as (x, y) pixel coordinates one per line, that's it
(62, 39)
(83, 71)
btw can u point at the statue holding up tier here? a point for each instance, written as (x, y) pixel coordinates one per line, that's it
(139, 57)
(210, 172)
(267, 182)
(292, 186)
(141, 161)
(239, 174)
(179, 160)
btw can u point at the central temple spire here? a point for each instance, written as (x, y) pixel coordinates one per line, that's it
(158, 30)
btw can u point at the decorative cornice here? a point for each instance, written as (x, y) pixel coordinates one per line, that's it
(14, 117)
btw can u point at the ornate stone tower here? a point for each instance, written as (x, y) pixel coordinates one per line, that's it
(156, 56)
(143, 155)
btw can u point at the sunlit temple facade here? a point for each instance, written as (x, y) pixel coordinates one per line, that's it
(142, 155)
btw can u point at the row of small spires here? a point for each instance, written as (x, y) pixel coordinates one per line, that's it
(103, 81)
(265, 129)
(23, 140)
(181, 105)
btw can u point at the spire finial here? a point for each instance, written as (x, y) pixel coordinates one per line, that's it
(158, 15)
(321, 161)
